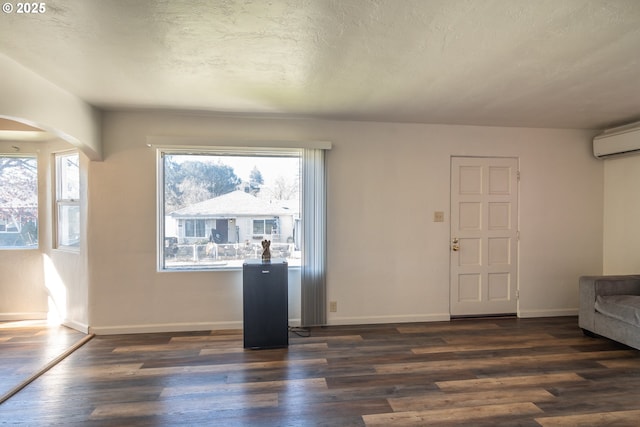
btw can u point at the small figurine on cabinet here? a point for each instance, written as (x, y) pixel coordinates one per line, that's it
(266, 252)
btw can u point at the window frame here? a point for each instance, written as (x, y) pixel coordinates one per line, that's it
(35, 157)
(241, 151)
(61, 202)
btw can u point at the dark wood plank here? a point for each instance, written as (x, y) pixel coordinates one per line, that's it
(596, 419)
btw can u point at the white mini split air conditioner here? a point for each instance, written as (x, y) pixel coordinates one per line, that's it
(617, 141)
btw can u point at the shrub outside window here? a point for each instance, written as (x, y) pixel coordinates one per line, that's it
(18, 202)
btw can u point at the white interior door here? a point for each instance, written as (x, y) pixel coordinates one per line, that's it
(484, 234)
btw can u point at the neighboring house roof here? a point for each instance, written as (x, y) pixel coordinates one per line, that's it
(234, 204)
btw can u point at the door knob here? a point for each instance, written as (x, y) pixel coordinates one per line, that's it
(455, 247)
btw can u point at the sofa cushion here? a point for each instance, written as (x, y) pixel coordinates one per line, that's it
(622, 307)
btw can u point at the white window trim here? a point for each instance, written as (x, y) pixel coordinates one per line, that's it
(205, 146)
(60, 202)
(226, 150)
(199, 145)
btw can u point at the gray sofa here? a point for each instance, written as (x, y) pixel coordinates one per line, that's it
(610, 307)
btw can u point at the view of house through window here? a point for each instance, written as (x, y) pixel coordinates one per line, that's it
(68, 200)
(18, 202)
(219, 208)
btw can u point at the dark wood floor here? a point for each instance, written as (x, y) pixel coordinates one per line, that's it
(511, 372)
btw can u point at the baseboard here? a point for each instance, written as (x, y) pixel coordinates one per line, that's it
(560, 312)
(372, 320)
(355, 320)
(12, 317)
(294, 322)
(163, 327)
(80, 327)
(168, 327)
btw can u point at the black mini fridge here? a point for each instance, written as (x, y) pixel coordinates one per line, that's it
(265, 304)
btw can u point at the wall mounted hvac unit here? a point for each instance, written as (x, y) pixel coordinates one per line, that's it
(617, 141)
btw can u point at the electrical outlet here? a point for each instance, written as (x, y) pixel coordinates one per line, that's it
(438, 216)
(333, 306)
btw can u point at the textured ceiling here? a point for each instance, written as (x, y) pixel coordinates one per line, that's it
(543, 63)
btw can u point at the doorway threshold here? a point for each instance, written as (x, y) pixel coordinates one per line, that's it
(485, 316)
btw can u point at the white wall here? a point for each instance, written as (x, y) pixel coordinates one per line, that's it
(387, 260)
(396, 176)
(621, 214)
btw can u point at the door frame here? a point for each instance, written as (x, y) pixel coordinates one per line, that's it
(518, 198)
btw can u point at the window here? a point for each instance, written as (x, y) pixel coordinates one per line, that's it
(18, 202)
(216, 208)
(194, 228)
(265, 226)
(67, 200)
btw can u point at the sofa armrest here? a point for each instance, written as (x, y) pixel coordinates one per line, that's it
(590, 287)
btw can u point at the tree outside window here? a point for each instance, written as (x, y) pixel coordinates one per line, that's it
(18, 202)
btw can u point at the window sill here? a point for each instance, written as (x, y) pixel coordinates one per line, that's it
(26, 248)
(209, 269)
(68, 249)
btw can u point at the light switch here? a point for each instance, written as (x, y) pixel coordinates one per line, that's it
(438, 216)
